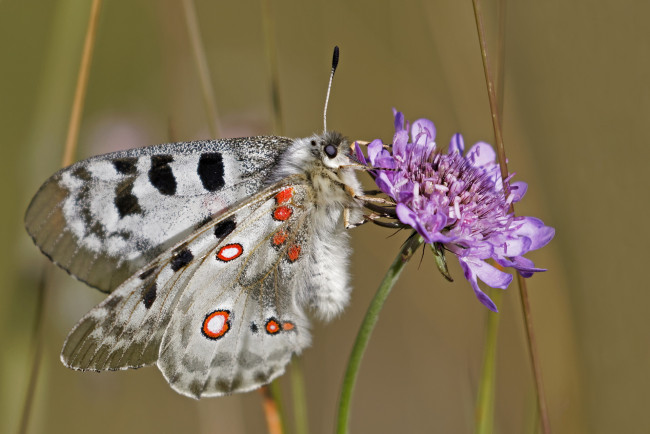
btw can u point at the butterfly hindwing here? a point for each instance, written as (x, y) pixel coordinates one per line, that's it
(219, 312)
(238, 323)
(103, 218)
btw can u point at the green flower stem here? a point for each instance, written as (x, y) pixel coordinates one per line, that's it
(299, 397)
(368, 324)
(487, 387)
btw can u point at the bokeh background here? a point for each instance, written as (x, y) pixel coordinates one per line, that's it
(576, 108)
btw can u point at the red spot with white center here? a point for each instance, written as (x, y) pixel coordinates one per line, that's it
(294, 252)
(282, 213)
(284, 196)
(279, 238)
(272, 326)
(216, 324)
(230, 252)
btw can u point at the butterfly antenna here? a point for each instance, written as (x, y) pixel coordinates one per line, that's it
(335, 63)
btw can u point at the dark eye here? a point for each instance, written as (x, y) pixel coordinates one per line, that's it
(330, 151)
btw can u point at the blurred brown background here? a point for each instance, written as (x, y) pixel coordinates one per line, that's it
(577, 102)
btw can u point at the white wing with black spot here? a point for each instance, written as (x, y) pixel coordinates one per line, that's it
(103, 218)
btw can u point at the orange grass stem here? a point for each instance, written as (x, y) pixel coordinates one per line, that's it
(271, 412)
(82, 84)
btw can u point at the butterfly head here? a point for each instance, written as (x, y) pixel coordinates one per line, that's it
(332, 149)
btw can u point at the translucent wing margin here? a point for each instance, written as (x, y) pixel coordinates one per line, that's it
(103, 218)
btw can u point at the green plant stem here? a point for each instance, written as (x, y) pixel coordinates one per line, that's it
(37, 345)
(299, 397)
(487, 387)
(367, 326)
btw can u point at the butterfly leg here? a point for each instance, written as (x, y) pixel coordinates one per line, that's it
(372, 192)
(375, 200)
(346, 220)
(374, 218)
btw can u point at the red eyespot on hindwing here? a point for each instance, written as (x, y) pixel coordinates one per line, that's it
(272, 326)
(293, 253)
(216, 324)
(279, 238)
(282, 213)
(230, 252)
(284, 196)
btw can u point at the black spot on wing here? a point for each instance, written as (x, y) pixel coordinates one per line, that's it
(112, 302)
(125, 201)
(161, 175)
(210, 171)
(224, 228)
(98, 230)
(122, 234)
(254, 328)
(147, 273)
(125, 166)
(203, 222)
(149, 296)
(82, 173)
(181, 259)
(262, 377)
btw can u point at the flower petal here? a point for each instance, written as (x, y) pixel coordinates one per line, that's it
(374, 150)
(457, 144)
(406, 215)
(384, 183)
(359, 154)
(423, 132)
(487, 273)
(516, 246)
(534, 228)
(518, 189)
(481, 154)
(471, 278)
(399, 120)
(400, 145)
(524, 266)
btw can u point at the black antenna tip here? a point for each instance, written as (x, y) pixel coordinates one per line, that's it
(335, 58)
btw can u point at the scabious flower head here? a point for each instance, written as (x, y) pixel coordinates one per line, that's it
(456, 200)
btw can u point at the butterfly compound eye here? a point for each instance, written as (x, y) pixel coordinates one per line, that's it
(330, 151)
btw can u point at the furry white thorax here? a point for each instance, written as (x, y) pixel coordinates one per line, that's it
(325, 276)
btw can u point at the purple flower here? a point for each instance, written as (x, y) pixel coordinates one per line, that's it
(456, 201)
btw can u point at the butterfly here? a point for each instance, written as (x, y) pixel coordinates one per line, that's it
(211, 252)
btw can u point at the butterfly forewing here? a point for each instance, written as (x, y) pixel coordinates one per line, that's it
(217, 311)
(104, 218)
